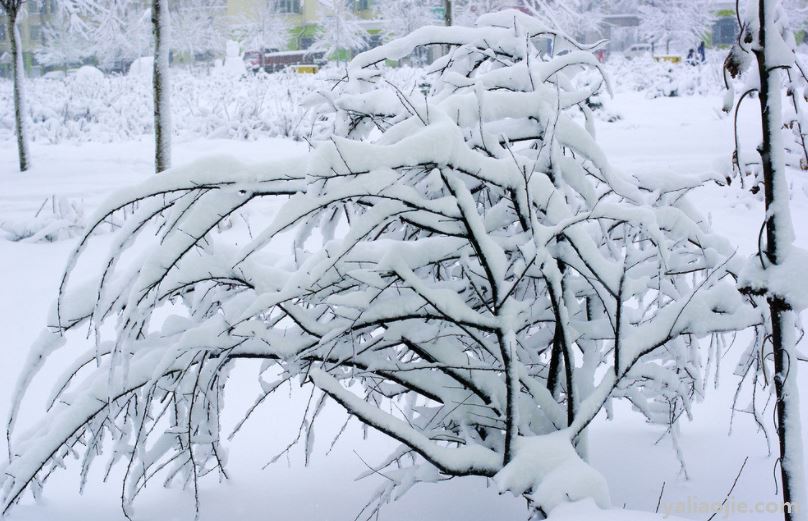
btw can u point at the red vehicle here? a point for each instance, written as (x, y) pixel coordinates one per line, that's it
(272, 60)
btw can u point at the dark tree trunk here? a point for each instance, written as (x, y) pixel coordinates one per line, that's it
(18, 74)
(162, 108)
(778, 229)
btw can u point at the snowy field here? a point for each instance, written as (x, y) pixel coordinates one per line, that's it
(663, 136)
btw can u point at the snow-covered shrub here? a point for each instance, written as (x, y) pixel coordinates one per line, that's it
(663, 79)
(80, 108)
(467, 274)
(56, 219)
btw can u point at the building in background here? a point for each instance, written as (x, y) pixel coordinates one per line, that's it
(621, 30)
(32, 31)
(725, 27)
(303, 16)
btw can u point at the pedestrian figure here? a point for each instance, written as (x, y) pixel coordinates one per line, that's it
(702, 56)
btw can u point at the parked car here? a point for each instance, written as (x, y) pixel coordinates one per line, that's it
(638, 50)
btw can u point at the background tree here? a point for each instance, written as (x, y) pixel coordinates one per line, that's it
(263, 27)
(123, 29)
(197, 28)
(401, 17)
(121, 34)
(466, 12)
(766, 51)
(13, 10)
(797, 11)
(683, 23)
(577, 18)
(339, 31)
(161, 85)
(67, 37)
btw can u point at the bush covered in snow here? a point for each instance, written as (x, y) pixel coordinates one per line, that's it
(459, 267)
(88, 106)
(664, 79)
(56, 219)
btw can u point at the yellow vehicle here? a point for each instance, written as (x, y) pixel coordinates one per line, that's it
(305, 69)
(670, 58)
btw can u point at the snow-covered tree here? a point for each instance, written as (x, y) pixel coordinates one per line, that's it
(121, 33)
(262, 27)
(465, 272)
(127, 31)
(401, 17)
(578, 18)
(13, 10)
(161, 85)
(797, 11)
(339, 30)
(67, 36)
(766, 53)
(682, 23)
(197, 27)
(466, 12)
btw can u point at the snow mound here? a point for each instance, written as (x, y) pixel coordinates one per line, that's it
(142, 67)
(548, 469)
(89, 74)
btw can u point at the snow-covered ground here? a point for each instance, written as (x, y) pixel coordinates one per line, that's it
(664, 137)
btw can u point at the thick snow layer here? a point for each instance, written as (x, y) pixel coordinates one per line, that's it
(552, 472)
(786, 280)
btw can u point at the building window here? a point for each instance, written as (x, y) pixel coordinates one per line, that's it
(725, 31)
(288, 6)
(36, 33)
(358, 5)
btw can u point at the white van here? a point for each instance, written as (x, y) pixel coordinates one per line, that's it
(638, 50)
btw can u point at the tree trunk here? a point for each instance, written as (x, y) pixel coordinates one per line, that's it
(18, 73)
(447, 13)
(161, 81)
(779, 236)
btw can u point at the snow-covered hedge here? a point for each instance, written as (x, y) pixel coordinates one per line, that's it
(87, 107)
